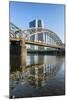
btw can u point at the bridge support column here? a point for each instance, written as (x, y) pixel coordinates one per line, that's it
(23, 54)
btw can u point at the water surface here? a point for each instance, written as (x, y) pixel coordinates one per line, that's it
(43, 75)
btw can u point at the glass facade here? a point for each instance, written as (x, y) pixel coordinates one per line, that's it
(39, 37)
(39, 23)
(32, 24)
(32, 38)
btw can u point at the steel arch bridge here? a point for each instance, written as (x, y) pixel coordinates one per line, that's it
(17, 34)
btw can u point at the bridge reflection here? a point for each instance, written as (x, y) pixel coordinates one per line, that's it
(35, 75)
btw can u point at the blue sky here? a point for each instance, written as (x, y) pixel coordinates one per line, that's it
(22, 13)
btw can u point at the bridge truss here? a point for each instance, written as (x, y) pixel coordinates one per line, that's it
(50, 37)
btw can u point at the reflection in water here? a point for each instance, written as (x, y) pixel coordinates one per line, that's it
(37, 73)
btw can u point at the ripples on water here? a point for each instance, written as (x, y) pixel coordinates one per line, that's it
(42, 76)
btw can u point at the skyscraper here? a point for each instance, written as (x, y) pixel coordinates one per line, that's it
(39, 37)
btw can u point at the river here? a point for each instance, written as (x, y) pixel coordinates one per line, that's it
(43, 75)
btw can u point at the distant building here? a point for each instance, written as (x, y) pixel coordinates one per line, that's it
(39, 37)
(33, 24)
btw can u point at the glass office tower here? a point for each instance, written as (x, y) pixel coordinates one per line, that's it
(39, 37)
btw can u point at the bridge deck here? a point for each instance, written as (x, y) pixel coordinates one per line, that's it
(37, 43)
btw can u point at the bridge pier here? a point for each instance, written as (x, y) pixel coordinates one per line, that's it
(23, 54)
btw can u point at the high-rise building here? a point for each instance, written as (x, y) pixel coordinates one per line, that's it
(39, 37)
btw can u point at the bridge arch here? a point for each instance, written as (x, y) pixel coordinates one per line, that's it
(28, 33)
(48, 32)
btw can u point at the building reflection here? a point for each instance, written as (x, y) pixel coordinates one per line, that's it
(40, 59)
(37, 75)
(36, 59)
(32, 59)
